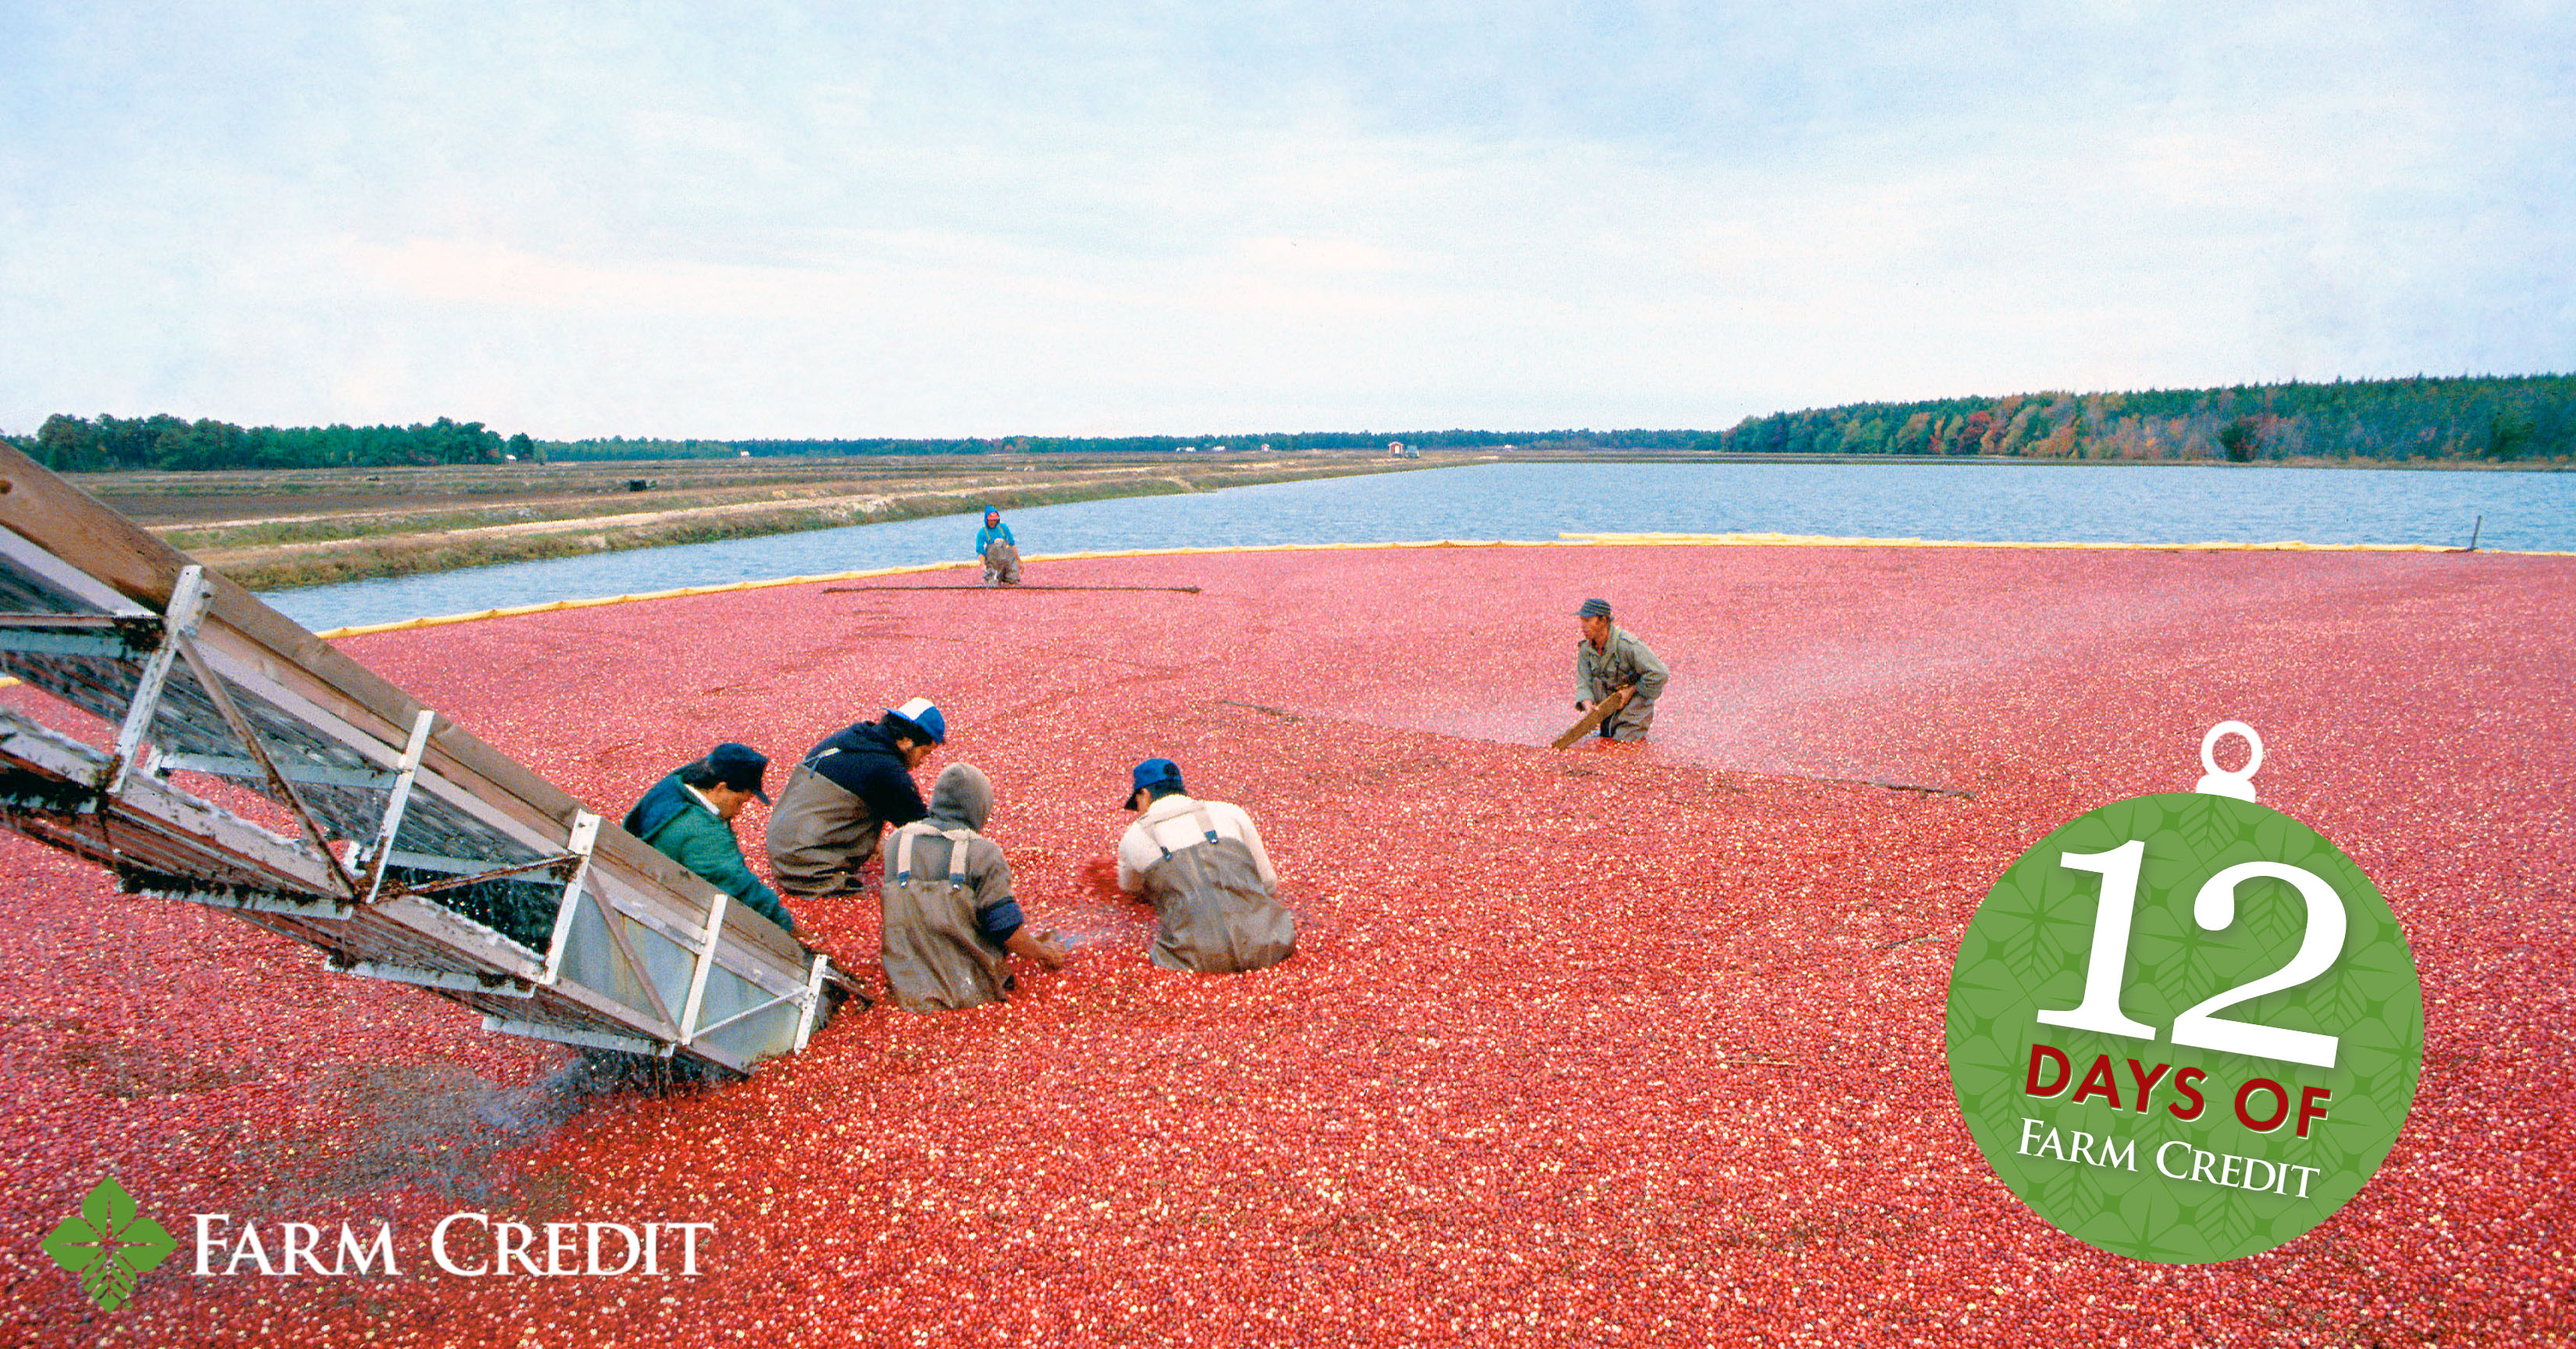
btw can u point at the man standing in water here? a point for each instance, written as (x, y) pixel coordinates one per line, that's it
(1001, 552)
(1609, 659)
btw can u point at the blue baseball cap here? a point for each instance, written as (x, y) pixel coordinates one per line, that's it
(923, 713)
(1152, 773)
(740, 767)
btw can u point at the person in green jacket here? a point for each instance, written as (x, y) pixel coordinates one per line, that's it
(688, 817)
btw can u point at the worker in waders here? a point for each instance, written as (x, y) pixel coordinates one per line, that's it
(688, 817)
(1608, 659)
(1001, 552)
(951, 923)
(1202, 866)
(840, 799)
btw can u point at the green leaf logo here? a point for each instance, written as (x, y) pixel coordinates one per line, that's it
(109, 1245)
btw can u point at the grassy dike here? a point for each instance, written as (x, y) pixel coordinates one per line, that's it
(362, 545)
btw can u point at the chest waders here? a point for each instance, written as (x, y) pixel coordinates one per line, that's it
(820, 833)
(1608, 671)
(1215, 914)
(1002, 563)
(936, 959)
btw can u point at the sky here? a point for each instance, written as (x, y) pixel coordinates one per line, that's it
(748, 220)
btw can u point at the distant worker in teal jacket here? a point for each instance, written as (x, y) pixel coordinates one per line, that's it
(1001, 552)
(688, 817)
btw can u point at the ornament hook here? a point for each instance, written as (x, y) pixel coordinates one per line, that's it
(2219, 782)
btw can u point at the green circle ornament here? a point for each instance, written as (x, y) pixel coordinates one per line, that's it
(2185, 1027)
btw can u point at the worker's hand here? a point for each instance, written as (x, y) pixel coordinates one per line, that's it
(1038, 946)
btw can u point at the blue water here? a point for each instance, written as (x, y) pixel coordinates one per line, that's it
(1978, 501)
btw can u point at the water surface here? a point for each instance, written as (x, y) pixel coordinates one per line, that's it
(1986, 502)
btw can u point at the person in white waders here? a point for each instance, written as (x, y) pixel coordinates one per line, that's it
(1202, 866)
(951, 923)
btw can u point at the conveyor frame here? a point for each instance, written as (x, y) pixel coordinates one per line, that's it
(414, 852)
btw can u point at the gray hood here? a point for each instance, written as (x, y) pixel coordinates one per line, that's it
(963, 795)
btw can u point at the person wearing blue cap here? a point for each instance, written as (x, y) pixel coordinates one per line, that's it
(1001, 552)
(688, 817)
(1610, 660)
(1201, 865)
(842, 796)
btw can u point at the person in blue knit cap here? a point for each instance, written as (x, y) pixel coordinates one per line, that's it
(1001, 552)
(846, 791)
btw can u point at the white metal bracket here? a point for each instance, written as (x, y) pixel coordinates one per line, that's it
(706, 966)
(813, 1000)
(585, 836)
(188, 599)
(405, 769)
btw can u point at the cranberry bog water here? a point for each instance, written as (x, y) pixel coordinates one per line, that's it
(1616, 1045)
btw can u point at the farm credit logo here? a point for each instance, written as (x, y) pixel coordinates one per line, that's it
(2185, 1027)
(110, 1246)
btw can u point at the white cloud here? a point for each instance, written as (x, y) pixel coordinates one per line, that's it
(988, 220)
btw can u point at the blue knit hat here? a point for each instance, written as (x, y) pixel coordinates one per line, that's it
(1593, 609)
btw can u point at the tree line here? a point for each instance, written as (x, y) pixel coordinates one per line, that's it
(112, 444)
(2465, 418)
(2484, 417)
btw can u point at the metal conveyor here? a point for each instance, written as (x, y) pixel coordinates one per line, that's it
(396, 843)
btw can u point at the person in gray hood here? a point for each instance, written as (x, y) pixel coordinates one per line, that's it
(951, 923)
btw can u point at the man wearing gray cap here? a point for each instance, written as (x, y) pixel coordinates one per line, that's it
(1608, 660)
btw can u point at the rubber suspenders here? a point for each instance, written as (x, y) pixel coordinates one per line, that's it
(1207, 826)
(957, 840)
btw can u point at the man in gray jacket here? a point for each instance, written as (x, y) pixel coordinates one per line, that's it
(1608, 659)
